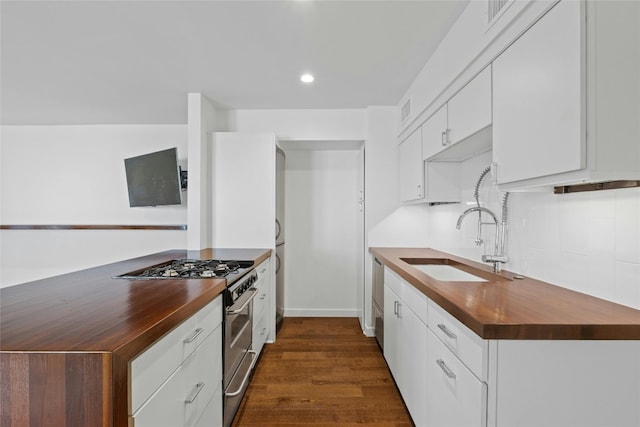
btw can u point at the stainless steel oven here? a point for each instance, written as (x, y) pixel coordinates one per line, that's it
(238, 356)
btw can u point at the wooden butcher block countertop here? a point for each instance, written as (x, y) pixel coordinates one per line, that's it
(505, 307)
(66, 342)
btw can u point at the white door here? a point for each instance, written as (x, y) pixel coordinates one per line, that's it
(324, 231)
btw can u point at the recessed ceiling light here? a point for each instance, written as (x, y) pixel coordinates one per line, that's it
(306, 78)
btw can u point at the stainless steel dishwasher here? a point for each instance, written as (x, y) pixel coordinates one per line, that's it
(378, 301)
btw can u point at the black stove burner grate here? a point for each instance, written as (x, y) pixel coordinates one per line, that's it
(189, 269)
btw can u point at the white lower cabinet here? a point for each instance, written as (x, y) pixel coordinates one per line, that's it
(261, 307)
(448, 376)
(455, 397)
(405, 349)
(186, 392)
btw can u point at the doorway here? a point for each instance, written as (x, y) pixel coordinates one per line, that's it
(324, 214)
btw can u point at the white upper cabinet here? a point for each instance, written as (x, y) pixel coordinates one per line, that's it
(565, 99)
(465, 117)
(434, 133)
(411, 168)
(469, 111)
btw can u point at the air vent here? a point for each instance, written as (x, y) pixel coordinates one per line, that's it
(405, 112)
(493, 9)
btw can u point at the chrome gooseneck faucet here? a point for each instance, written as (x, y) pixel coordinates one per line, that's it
(499, 257)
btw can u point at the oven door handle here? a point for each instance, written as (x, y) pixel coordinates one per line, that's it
(246, 376)
(252, 293)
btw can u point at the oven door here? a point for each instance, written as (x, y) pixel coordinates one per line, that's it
(238, 357)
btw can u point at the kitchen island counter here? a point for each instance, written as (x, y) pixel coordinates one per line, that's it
(66, 341)
(509, 306)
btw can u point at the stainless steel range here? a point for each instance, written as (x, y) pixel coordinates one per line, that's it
(237, 353)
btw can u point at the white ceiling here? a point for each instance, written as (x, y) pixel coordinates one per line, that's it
(121, 62)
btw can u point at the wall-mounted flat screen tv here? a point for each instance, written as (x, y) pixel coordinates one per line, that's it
(154, 179)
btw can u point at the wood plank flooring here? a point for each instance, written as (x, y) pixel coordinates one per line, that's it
(322, 372)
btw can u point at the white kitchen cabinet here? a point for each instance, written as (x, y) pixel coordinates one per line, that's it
(565, 110)
(469, 111)
(434, 133)
(405, 346)
(173, 384)
(261, 302)
(455, 397)
(462, 127)
(411, 168)
(586, 383)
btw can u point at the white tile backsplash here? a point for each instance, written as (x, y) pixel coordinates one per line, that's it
(589, 242)
(627, 225)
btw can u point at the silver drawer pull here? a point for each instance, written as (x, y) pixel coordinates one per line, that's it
(448, 372)
(194, 393)
(193, 336)
(446, 331)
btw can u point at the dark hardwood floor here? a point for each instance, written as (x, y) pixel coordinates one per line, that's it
(322, 372)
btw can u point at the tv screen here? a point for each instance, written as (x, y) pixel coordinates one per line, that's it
(153, 179)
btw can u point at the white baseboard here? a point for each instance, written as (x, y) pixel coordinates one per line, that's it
(369, 331)
(303, 312)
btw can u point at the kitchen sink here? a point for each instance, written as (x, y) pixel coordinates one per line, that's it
(447, 270)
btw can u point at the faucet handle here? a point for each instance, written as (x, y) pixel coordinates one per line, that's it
(497, 261)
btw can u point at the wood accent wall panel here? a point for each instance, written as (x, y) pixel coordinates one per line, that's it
(55, 389)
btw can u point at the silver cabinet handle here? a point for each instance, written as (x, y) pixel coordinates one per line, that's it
(194, 393)
(395, 308)
(419, 190)
(448, 372)
(446, 331)
(193, 336)
(444, 137)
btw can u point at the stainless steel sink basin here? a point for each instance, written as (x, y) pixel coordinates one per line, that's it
(447, 273)
(447, 270)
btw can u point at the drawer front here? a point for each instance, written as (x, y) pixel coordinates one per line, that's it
(212, 414)
(455, 397)
(462, 341)
(152, 367)
(393, 280)
(259, 333)
(184, 397)
(261, 299)
(416, 301)
(203, 377)
(166, 407)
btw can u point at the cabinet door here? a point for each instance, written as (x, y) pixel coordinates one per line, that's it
(411, 168)
(392, 337)
(469, 111)
(413, 354)
(434, 133)
(455, 397)
(537, 104)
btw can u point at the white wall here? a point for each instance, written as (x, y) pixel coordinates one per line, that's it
(321, 233)
(75, 175)
(303, 125)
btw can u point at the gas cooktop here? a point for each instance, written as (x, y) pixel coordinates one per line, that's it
(190, 269)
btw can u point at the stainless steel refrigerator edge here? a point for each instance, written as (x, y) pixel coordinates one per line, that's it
(378, 300)
(280, 172)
